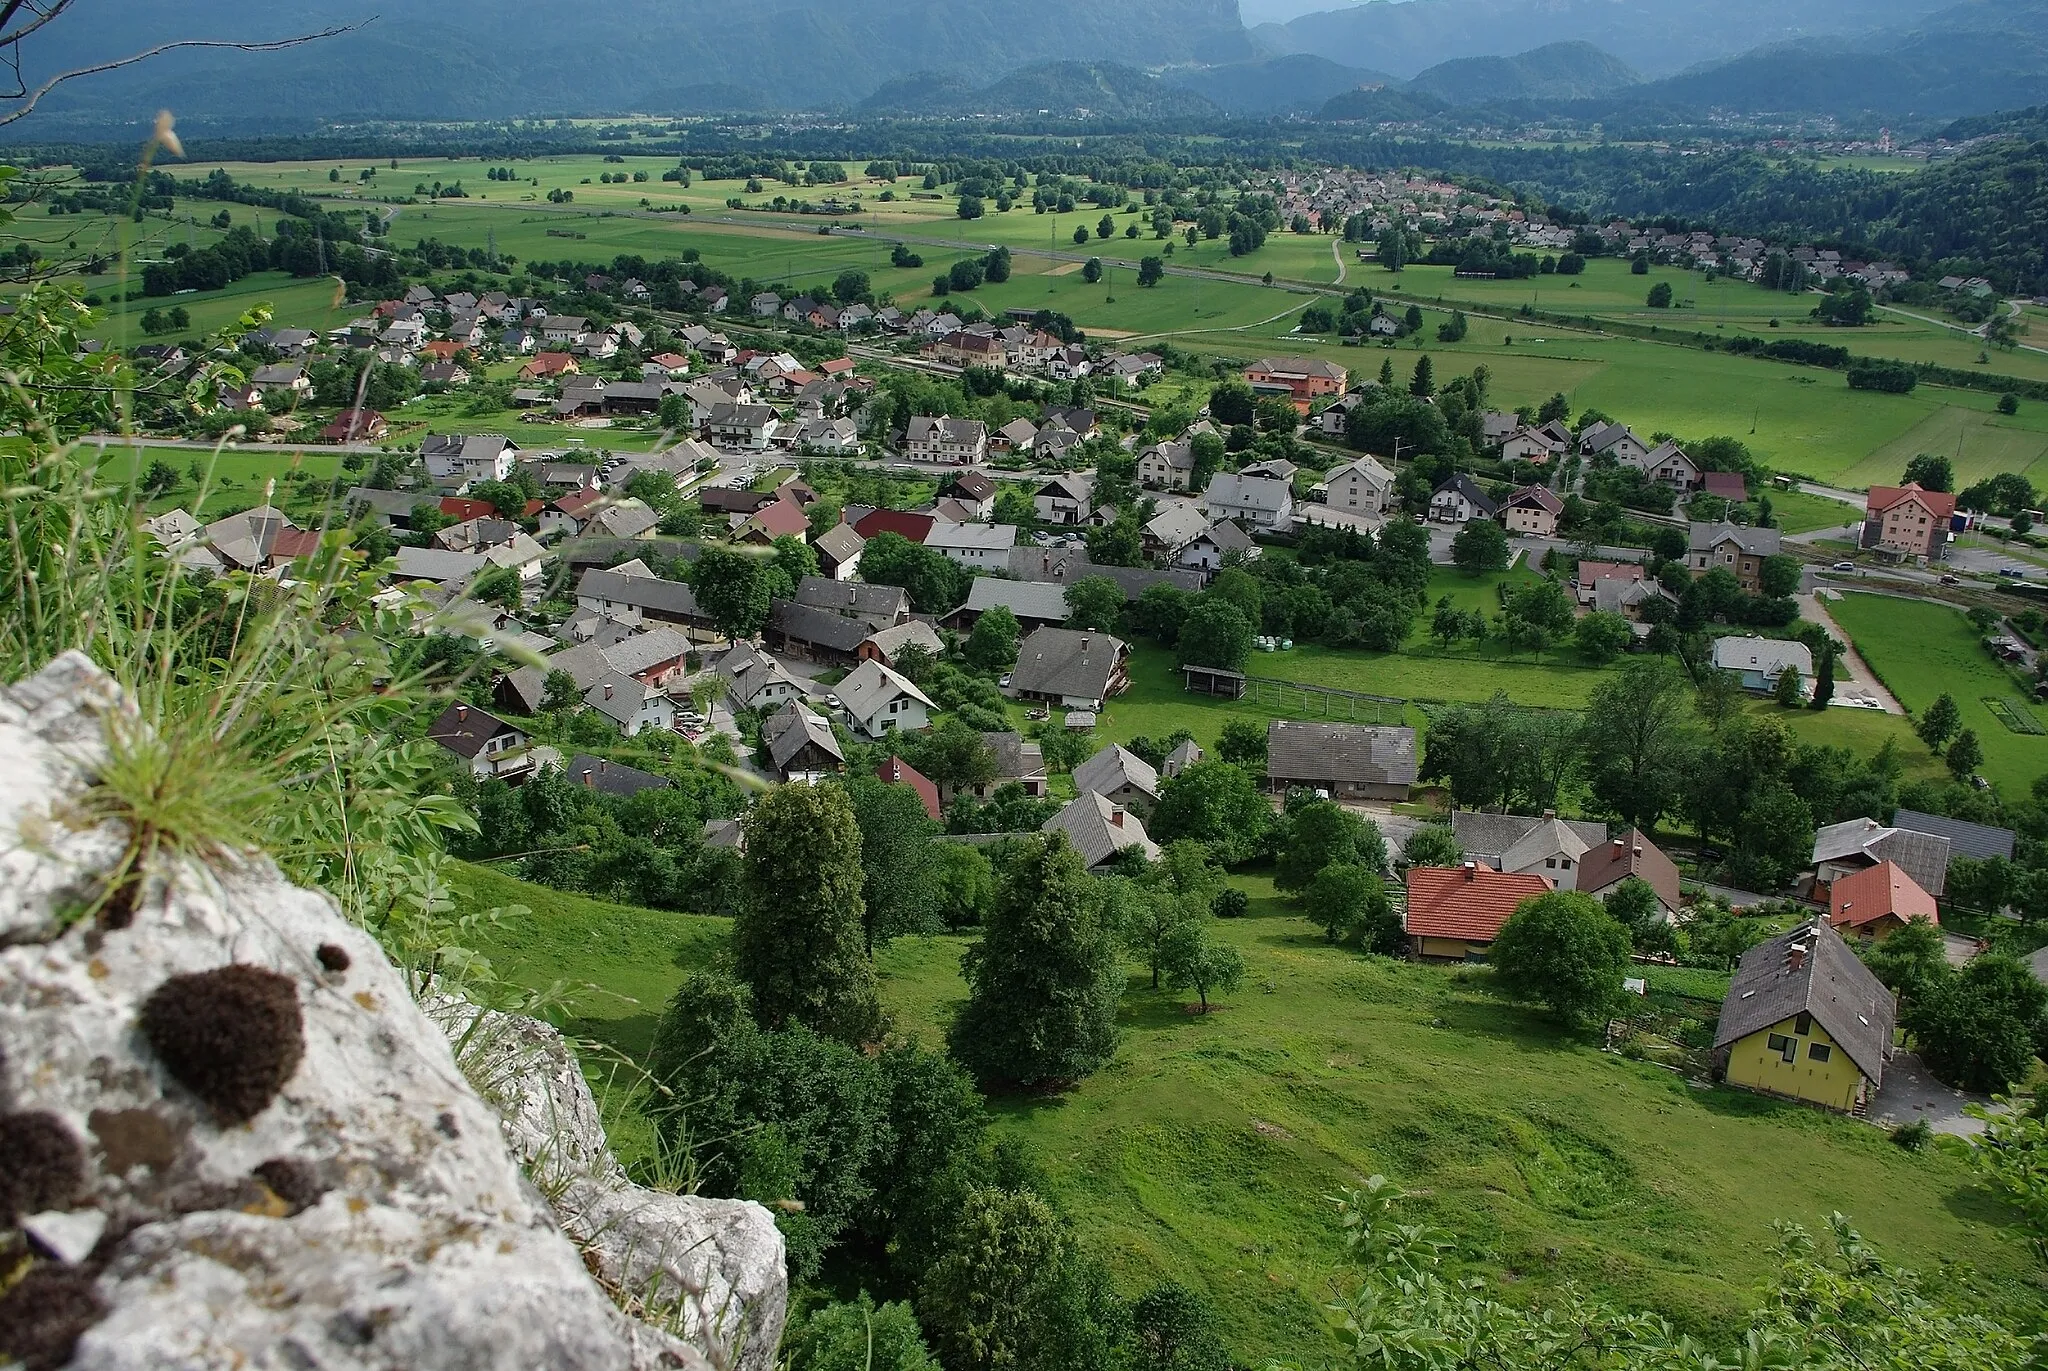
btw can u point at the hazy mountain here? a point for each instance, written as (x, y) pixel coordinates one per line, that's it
(1297, 83)
(1556, 71)
(504, 58)
(1657, 37)
(1384, 105)
(1103, 89)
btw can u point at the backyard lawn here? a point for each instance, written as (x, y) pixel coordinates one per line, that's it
(1208, 1149)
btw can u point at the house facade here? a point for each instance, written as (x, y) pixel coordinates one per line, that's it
(1360, 486)
(1254, 503)
(953, 442)
(1740, 549)
(1532, 511)
(1908, 521)
(1303, 380)
(1806, 1020)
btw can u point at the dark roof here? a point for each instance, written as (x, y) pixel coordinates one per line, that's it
(1474, 496)
(1484, 837)
(915, 527)
(1831, 983)
(1067, 662)
(1631, 854)
(793, 728)
(1069, 566)
(641, 592)
(464, 729)
(879, 604)
(1356, 753)
(613, 778)
(1965, 839)
(809, 624)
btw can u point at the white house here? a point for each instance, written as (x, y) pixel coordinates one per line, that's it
(755, 680)
(957, 442)
(631, 705)
(1167, 466)
(1358, 487)
(1460, 500)
(1254, 502)
(1065, 500)
(455, 460)
(1205, 554)
(878, 701)
(974, 545)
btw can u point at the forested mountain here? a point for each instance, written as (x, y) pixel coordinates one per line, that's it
(1557, 71)
(1297, 83)
(1658, 38)
(1056, 88)
(509, 58)
(1383, 105)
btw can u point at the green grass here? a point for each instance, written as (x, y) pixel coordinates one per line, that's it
(1798, 512)
(1206, 1151)
(1923, 649)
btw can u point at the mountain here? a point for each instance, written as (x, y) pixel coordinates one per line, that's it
(1104, 89)
(1382, 105)
(493, 59)
(1658, 37)
(1294, 84)
(1557, 71)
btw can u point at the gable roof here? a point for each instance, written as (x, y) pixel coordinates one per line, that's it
(973, 537)
(1114, 768)
(1016, 757)
(1484, 837)
(1869, 895)
(641, 589)
(612, 778)
(1067, 662)
(1461, 484)
(896, 771)
(1631, 854)
(1469, 902)
(1099, 830)
(871, 685)
(1261, 493)
(794, 727)
(1549, 837)
(779, 519)
(839, 543)
(1297, 751)
(1940, 503)
(1767, 655)
(915, 527)
(821, 627)
(464, 729)
(1965, 839)
(1923, 855)
(1366, 467)
(1729, 485)
(880, 605)
(1539, 496)
(1830, 982)
(1756, 542)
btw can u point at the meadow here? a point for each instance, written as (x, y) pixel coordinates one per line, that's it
(1207, 1150)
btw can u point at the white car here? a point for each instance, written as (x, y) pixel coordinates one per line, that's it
(1843, 566)
(1003, 684)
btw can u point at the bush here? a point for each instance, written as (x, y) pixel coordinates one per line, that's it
(1891, 378)
(1912, 1136)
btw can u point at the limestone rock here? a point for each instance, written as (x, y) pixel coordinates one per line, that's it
(368, 1216)
(719, 1262)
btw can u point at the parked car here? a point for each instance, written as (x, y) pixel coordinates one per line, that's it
(1951, 580)
(1843, 566)
(2012, 571)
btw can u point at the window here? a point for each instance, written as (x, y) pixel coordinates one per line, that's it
(1804, 1025)
(1819, 1052)
(1785, 1047)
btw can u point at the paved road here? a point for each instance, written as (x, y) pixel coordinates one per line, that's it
(1854, 680)
(1911, 1093)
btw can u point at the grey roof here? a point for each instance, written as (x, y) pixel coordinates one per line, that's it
(929, 429)
(389, 503)
(871, 685)
(1965, 839)
(626, 519)
(464, 729)
(1067, 662)
(1464, 485)
(724, 833)
(1923, 856)
(616, 695)
(882, 605)
(437, 564)
(644, 591)
(749, 671)
(612, 778)
(1831, 983)
(809, 624)
(1248, 492)
(972, 537)
(1114, 768)
(1016, 756)
(643, 650)
(838, 542)
(916, 633)
(1757, 542)
(1486, 837)
(1092, 825)
(1352, 753)
(1177, 525)
(1040, 601)
(1767, 655)
(793, 727)
(1067, 566)
(1228, 537)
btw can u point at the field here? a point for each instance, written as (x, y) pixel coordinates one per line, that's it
(1922, 649)
(1206, 1151)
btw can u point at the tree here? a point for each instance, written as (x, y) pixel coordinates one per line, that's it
(1975, 1028)
(1481, 546)
(1939, 723)
(1634, 904)
(1151, 271)
(800, 941)
(1193, 960)
(732, 590)
(898, 894)
(1786, 690)
(1215, 633)
(1930, 471)
(559, 691)
(2009, 403)
(1175, 1329)
(1965, 754)
(1422, 384)
(1322, 833)
(1350, 904)
(1091, 270)
(955, 757)
(1043, 982)
(1094, 602)
(1779, 576)
(985, 1297)
(1215, 803)
(1660, 295)
(1242, 743)
(1432, 845)
(160, 477)
(1562, 950)
(1602, 636)
(856, 1335)
(993, 643)
(1637, 738)
(970, 207)
(1911, 960)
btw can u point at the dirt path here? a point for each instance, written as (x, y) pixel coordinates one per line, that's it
(1853, 677)
(1337, 251)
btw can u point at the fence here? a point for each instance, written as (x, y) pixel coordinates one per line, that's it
(1326, 702)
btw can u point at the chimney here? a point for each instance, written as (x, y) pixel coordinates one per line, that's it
(1617, 847)
(1550, 814)
(1116, 816)
(461, 714)
(602, 764)
(1636, 851)
(1795, 957)
(607, 690)
(1471, 871)
(586, 778)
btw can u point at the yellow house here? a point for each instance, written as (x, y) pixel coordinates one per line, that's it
(1805, 1019)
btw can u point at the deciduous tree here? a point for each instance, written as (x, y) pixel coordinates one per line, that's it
(1563, 951)
(800, 943)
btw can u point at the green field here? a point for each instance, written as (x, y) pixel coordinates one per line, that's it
(1922, 649)
(1206, 1151)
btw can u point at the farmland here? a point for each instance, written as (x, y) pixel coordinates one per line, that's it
(1204, 1150)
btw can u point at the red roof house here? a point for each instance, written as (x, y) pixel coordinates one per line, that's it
(1728, 485)
(1908, 520)
(1878, 901)
(1457, 912)
(915, 527)
(547, 364)
(896, 771)
(836, 365)
(774, 520)
(461, 509)
(356, 425)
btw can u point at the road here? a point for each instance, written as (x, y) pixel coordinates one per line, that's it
(1854, 680)
(1978, 331)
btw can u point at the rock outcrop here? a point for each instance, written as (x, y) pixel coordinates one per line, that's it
(230, 1137)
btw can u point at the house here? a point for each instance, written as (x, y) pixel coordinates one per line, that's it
(878, 701)
(1539, 445)
(1183, 756)
(800, 745)
(287, 377)
(1037, 604)
(1167, 466)
(1459, 500)
(776, 519)
(632, 706)
(813, 634)
(967, 348)
(627, 519)
(1532, 511)
(915, 527)
(755, 680)
(1071, 668)
(1758, 662)
(1120, 776)
(1019, 762)
(611, 778)
(887, 644)
(1488, 839)
(1302, 380)
(1965, 839)
(1878, 901)
(494, 749)
(633, 595)
(1350, 761)
(1016, 436)
(1100, 831)
(1132, 368)
(896, 771)
(1908, 521)
(571, 512)
(985, 546)
(1739, 548)
(1606, 865)
(454, 461)
(434, 564)
(356, 426)
(1857, 844)
(838, 550)
(1455, 913)
(975, 491)
(1065, 500)
(1616, 440)
(733, 500)
(1591, 574)
(1333, 421)
(1206, 553)
(1807, 1020)
(1172, 529)
(1258, 504)
(1726, 485)
(829, 437)
(1360, 486)
(549, 364)
(244, 541)
(958, 442)
(740, 426)
(1668, 465)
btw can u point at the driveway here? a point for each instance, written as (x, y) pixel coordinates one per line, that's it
(1854, 680)
(1910, 1092)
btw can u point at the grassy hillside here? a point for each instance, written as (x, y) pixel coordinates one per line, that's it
(1207, 1149)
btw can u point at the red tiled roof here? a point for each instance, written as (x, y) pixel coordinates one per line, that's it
(461, 508)
(1631, 854)
(1470, 902)
(577, 503)
(836, 365)
(1726, 484)
(781, 517)
(1940, 503)
(293, 543)
(1868, 895)
(899, 772)
(1590, 572)
(915, 527)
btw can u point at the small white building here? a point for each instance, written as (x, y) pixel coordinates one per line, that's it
(879, 701)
